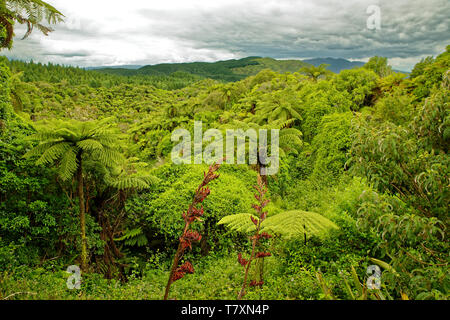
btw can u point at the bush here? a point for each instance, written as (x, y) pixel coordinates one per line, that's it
(160, 210)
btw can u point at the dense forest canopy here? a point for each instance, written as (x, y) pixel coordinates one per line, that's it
(86, 178)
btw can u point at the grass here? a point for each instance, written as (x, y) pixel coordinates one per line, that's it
(216, 277)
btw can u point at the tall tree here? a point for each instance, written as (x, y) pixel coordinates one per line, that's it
(69, 144)
(379, 65)
(30, 12)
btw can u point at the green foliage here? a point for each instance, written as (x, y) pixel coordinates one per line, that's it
(366, 148)
(407, 161)
(133, 237)
(288, 224)
(400, 159)
(35, 219)
(359, 84)
(29, 12)
(228, 70)
(65, 142)
(160, 210)
(379, 65)
(34, 73)
(396, 107)
(428, 74)
(331, 146)
(315, 73)
(319, 99)
(5, 106)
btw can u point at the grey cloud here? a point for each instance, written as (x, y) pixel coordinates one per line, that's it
(279, 29)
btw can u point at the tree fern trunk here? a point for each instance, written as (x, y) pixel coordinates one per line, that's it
(82, 215)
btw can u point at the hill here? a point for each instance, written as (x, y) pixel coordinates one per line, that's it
(335, 64)
(229, 70)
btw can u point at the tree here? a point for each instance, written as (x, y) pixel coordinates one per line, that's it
(379, 65)
(314, 72)
(278, 105)
(29, 12)
(69, 144)
(5, 90)
(359, 84)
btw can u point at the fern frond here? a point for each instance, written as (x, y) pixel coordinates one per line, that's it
(53, 153)
(68, 165)
(134, 237)
(289, 224)
(89, 145)
(298, 223)
(240, 222)
(107, 156)
(40, 148)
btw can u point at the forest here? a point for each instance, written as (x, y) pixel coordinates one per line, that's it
(358, 209)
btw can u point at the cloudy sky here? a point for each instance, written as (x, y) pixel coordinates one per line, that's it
(112, 32)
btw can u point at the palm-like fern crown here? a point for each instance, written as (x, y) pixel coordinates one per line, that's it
(276, 106)
(289, 224)
(290, 139)
(67, 142)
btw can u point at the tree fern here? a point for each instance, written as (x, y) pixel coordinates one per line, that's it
(290, 139)
(295, 223)
(70, 145)
(60, 140)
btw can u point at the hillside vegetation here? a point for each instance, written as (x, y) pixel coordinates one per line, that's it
(226, 71)
(86, 179)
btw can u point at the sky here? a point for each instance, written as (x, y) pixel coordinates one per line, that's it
(142, 32)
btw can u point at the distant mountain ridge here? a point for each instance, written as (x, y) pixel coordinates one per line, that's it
(230, 70)
(335, 64)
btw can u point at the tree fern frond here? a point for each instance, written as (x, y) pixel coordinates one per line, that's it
(298, 223)
(134, 237)
(291, 131)
(68, 165)
(136, 181)
(240, 222)
(289, 224)
(40, 148)
(107, 156)
(150, 180)
(123, 183)
(53, 153)
(66, 133)
(89, 145)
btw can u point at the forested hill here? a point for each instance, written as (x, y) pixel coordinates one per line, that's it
(335, 64)
(228, 70)
(233, 70)
(74, 76)
(170, 76)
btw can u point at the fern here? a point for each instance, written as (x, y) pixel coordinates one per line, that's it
(240, 222)
(32, 13)
(64, 142)
(133, 237)
(130, 175)
(288, 224)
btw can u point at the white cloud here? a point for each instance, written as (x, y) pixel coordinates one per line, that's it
(112, 32)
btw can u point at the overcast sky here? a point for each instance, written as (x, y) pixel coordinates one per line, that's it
(112, 32)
